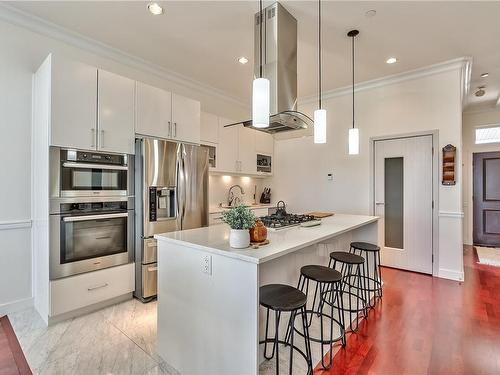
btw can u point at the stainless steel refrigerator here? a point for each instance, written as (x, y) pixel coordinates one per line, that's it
(172, 180)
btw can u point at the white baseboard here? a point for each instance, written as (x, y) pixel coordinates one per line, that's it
(445, 273)
(11, 307)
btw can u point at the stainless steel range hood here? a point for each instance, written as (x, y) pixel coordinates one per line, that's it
(280, 67)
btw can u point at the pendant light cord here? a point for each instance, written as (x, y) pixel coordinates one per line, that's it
(260, 38)
(319, 53)
(353, 80)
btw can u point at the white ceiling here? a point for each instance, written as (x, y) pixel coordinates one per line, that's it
(202, 39)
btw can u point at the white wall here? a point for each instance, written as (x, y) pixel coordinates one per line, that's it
(471, 120)
(22, 52)
(420, 104)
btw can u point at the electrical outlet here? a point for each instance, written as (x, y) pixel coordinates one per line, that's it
(206, 264)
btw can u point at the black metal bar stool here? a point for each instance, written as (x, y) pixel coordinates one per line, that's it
(329, 283)
(373, 276)
(284, 298)
(353, 276)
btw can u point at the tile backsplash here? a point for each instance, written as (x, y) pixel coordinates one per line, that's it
(218, 187)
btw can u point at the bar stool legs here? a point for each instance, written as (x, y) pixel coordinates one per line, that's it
(373, 283)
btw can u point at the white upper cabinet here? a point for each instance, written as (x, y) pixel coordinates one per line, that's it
(264, 143)
(209, 128)
(247, 156)
(115, 113)
(154, 111)
(227, 147)
(73, 104)
(185, 119)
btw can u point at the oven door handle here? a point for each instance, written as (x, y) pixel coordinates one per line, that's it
(95, 166)
(94, 217)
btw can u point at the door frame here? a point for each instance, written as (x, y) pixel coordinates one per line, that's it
(435, 185)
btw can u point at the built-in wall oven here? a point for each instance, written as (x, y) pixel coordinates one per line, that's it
(91, 211)
(88, 236)
(83, 173)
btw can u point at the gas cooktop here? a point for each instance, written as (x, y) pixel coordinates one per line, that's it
(277, 222)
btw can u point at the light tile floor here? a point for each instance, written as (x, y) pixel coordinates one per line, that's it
(120, 339)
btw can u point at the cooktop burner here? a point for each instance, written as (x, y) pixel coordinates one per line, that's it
(276, 222)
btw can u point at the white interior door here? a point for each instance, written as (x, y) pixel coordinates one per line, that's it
(403, 200)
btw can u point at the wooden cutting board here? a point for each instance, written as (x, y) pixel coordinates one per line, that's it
(320, 215)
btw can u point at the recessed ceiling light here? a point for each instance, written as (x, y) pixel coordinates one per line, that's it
(484, 75)
(371, 13)
(391, 60)
(242, 60)
(155, 9)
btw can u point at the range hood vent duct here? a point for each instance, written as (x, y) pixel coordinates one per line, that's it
(280, 67)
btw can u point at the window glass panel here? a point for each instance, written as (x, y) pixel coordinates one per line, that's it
(394, 202)
(488, 135)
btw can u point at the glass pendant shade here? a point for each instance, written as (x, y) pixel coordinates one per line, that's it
(320, 126)
(353, 141)
(260, 103)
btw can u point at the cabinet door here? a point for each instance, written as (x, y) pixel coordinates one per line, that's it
(115, 113)
(73, 104)
(185, 119)
(264, 143)
(246, 150)
(209, 128)
(154, 111)
(228, 146)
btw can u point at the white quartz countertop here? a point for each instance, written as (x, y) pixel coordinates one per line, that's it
(215, 239)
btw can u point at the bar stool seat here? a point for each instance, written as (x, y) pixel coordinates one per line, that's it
(281, 297)
(365, 246)
(321, 274)
(346, 258)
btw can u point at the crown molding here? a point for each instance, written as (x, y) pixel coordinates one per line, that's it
(463, 63)
(12, 15)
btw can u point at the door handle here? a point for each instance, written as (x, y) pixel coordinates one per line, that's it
(97, 287)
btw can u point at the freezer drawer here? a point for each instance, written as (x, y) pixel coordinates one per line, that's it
(149, 280)
(150, 251)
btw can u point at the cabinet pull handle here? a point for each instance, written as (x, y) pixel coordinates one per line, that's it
(97, 287)
(102, 138)
(152, 269)
(169, 129)
(92, 132)
(175, 130)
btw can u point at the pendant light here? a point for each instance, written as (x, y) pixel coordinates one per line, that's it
(353, 132)
(320, 113)
(261, 89)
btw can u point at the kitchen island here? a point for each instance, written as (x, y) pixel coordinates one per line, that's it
(209, 320)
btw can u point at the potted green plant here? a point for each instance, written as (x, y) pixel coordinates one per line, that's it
(240, 219)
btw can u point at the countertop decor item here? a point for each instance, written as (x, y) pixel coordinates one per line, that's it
(240, 219)
(258, 233)
(449, 156)
(319, 214)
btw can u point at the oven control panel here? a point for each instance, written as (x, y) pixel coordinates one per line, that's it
(93, 157)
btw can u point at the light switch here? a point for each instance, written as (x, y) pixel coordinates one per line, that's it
(330, 176)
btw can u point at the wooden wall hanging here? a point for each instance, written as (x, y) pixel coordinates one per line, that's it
(449, 165)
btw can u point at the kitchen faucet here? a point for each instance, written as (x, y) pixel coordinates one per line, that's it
(231, 198)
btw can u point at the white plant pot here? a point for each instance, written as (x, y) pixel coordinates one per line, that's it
(239, 238)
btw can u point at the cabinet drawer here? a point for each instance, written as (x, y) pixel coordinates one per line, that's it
(83, 290)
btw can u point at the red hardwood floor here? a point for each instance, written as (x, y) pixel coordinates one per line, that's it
(426, 325)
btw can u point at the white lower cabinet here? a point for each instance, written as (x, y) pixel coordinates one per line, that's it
(83, 290)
